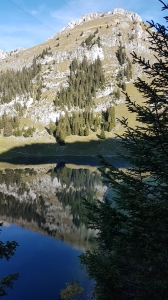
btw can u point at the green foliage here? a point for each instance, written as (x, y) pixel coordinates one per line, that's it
(98, 42)
(7, 250)
(8, 124)
(79, 123)
(124, 86)
(86, 131)
(7, 129)
(71, 291)
(132, 37)
(62, 129)
(102, 134)
(79, 183)
(7, 282)
(96, 123)
(130, 259)
(13, 83)
(39, 92)
(128, 70)
(52, 128)
(83, 81)
(61, 138)
(91, 40)
(45, 52)
(121, 54)
(108, 119)
(17, 132)
(117, 94)
(75, 124)
(19, 108)
(29, 131)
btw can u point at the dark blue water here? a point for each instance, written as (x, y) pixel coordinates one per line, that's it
(44, 265)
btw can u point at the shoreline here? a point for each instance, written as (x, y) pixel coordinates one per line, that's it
(60, 160)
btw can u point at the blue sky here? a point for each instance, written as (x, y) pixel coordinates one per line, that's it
(25, 23)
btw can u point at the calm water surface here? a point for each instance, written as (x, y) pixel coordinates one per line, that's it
(42, 210)
(44, 265)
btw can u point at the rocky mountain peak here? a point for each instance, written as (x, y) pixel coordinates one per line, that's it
(14, 52)
(132, 16)
(108, 37)
(2, 54)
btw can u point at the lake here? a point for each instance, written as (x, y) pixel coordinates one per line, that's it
(42, 209)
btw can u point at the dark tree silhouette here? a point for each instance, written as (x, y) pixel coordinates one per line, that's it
(130, 260)
(7, 250)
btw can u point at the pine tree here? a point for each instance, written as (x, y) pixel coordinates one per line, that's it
(52, 128)
(121, 55)
(8, 129)
(7, 250)
(118, 94)
(102, 134)
(61, 138)
(86, 131)
(124, 86)
(95, 127)
(130, 260)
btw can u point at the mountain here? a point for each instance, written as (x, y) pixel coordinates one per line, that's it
(14, 52)
(49, 200)
(2, 54)
(55, 79)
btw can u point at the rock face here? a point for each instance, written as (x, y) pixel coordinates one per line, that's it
(89, 17)
(108, 30)
(41, 197)
(134, 17)
(10, 53)
(2, 54)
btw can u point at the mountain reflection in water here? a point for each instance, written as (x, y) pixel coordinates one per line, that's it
(49, 200)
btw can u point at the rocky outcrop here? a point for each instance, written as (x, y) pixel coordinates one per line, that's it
(132, 16)
(117, 27)
(3, 54)
(15, 52)
(39, 205)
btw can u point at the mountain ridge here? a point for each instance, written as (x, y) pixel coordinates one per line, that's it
(84, 18)
(88, 17)
(109, 37)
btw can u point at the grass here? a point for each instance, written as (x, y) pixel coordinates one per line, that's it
(88, 146)
(75, 146)
(121, 110)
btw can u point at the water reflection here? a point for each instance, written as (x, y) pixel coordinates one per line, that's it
(49, 200)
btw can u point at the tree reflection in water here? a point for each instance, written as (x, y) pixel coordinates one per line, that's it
(50, 200)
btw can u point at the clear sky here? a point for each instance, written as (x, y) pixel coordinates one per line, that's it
(25, 23)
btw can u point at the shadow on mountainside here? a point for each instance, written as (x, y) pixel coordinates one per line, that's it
(79, 153)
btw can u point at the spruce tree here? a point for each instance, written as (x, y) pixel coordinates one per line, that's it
(86, 131)
(118, 94)
(8, 129)
(130, 258)
(7, 250)
(102, 134)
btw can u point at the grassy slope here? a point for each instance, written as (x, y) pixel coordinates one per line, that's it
(75, 145)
